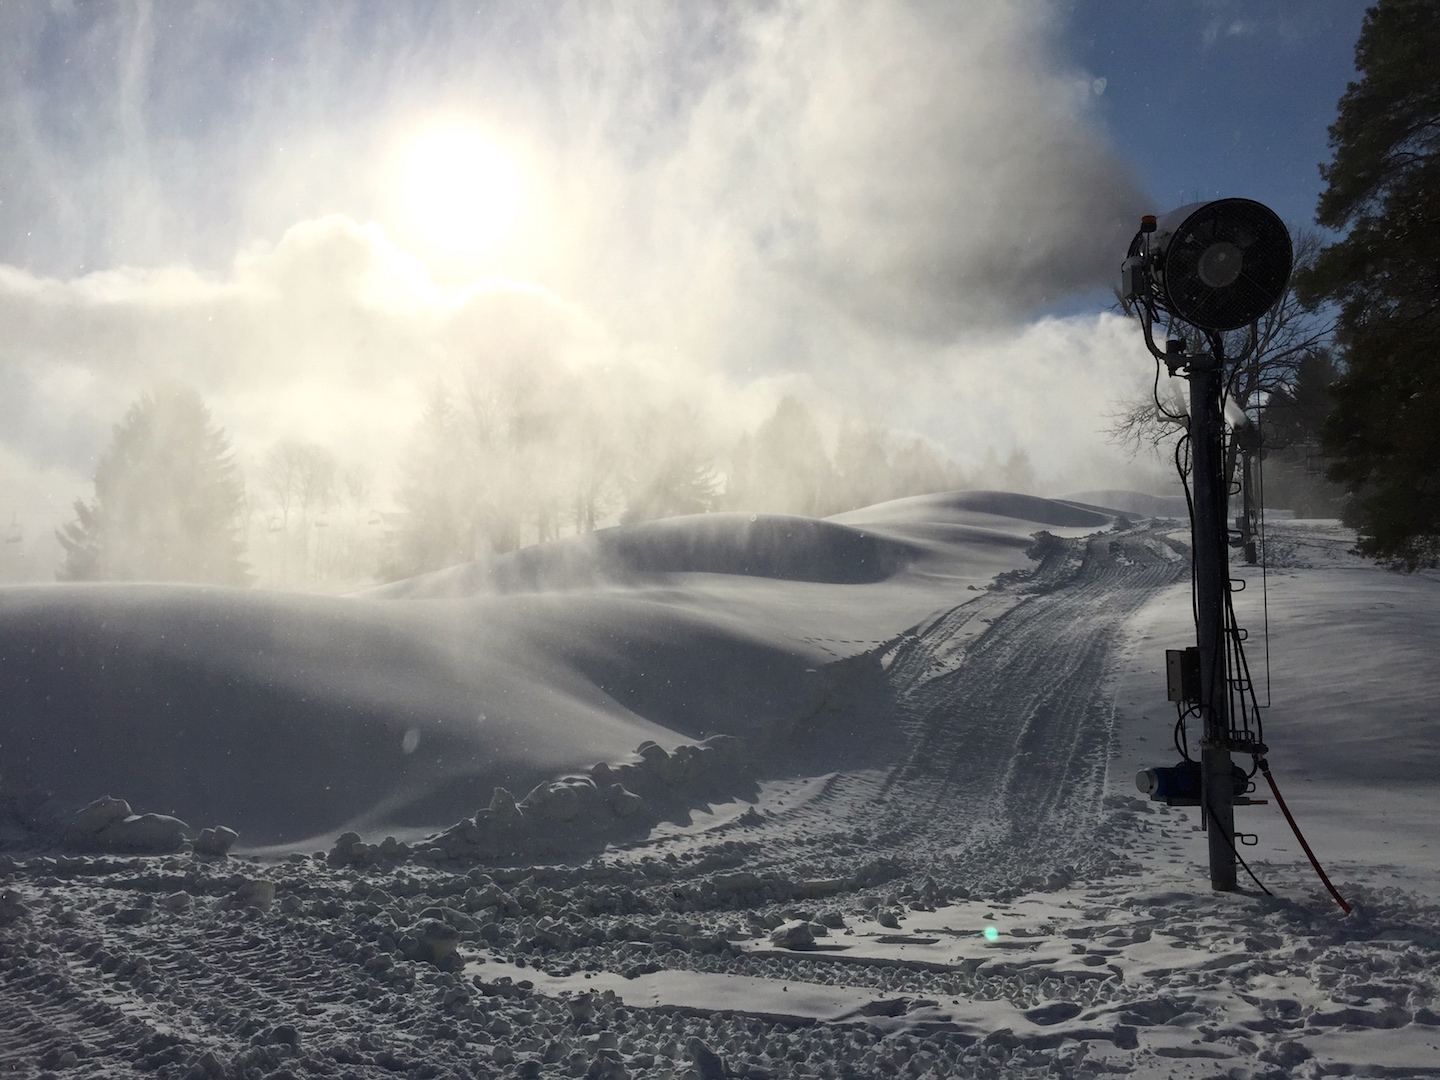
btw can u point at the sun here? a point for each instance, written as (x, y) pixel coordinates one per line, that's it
(461, 191)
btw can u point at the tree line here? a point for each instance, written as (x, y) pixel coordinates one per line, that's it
(488, 470)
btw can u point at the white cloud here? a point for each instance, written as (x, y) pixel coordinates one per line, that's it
(918, 167)
(859, 201)
(331, 312)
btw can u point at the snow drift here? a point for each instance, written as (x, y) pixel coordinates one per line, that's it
(766, 545)
(291, 717)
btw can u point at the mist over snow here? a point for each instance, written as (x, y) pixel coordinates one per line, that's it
(823, 760)
(863, 206)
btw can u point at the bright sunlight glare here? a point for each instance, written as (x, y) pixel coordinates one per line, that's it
(461, 190)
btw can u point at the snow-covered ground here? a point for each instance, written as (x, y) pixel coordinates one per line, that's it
(922, 852)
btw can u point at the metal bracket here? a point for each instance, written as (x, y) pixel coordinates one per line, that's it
(1175, 357)
(1178, 362)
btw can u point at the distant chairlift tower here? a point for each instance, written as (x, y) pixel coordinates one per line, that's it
(1206, 269)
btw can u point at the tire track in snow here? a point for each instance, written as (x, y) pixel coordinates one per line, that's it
(1004, 702)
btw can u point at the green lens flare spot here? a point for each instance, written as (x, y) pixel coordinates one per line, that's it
(991, 933)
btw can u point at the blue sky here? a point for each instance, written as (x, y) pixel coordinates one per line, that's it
(1222, 99)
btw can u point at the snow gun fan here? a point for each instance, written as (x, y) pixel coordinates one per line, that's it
(1215, 265)
(1201, 271)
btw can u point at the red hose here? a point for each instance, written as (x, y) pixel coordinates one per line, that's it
(1265, 768)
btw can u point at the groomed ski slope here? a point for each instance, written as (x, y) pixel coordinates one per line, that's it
(955, 754)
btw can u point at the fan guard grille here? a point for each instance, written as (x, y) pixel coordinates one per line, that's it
(1203, 284)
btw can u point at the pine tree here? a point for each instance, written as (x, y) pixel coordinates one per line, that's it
(169, 501)
(1384, 186)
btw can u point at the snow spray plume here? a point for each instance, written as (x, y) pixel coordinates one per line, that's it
(725, 203)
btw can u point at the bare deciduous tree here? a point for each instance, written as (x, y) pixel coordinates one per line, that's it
(300, 479)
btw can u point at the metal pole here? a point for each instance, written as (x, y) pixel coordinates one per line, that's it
(1248, 507)
(1212, 569)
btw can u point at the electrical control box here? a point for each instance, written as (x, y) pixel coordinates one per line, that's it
(1132, 278)
(1182, 674)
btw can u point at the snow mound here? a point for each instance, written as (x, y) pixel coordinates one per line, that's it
(286, 716)
(750, 545)
(292, 717)
(1133, 502)
(579, 810)
(976, 508)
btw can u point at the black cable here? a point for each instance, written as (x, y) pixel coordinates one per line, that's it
(1147, 326)
(1155, 393)
(1243, 665)
(1182, 733)
(1254, 740)
(1226, 630)
(1215, 824)
(1182, 448)
(1219, 650)
(1264, 545)
(1147, 321)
